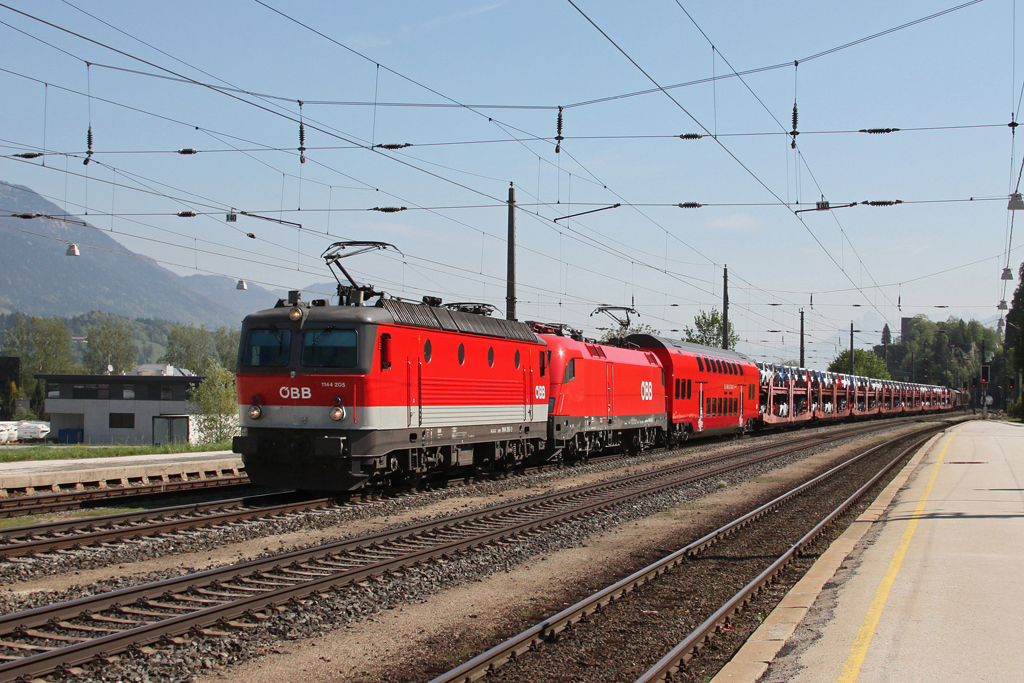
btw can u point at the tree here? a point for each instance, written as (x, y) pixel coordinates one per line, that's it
(865, 364)
(44, 346)
(886, 335)
(225, 343)
(623, 332)
(190, 347)
(214, 403)
(110, 344)
(707, 330)
(1014, 322)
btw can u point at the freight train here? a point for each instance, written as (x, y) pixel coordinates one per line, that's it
(342, 397)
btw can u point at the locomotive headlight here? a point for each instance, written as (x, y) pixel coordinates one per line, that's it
(255, 412)
(338, 413)
(295, 313)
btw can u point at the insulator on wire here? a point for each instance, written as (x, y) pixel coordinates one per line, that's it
(794, 132)
(558, 137)
(26, 215)
(394, 145)
(691, 136)
(29, 155)
(188, 150)
(88, 142)
(879, 131)
(689, 205)
(388, 209)
(250, 235)
(883, 202)
(302, 143)
(187, 214)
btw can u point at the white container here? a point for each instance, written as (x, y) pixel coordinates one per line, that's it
(33, 431)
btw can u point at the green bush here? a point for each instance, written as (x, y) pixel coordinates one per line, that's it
(1015, 410)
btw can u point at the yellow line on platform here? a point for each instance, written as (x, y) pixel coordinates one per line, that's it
(851, 670)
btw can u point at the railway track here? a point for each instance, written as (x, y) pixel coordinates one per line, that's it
(50, 536)
(216, 602)
(20, 506)
(548, 630)
(47, 537)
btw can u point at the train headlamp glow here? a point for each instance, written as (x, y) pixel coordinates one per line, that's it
(255, 412)
(338, 413)
(295, 313)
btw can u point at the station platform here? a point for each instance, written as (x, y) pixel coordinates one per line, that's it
(50, 476)
(927, 585)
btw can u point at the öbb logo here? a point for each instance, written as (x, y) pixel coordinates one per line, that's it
(295, 392)
(646, 391)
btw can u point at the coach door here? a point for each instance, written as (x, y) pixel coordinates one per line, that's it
(413, 392)
(700, 406)
(742, 391)
(610, 389)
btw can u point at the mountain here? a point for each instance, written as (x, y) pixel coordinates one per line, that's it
(37, 278)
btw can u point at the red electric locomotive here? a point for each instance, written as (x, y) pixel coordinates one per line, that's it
(338, 397)
(602, 397)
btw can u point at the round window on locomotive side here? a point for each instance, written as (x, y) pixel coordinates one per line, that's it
(517, 359)
(426, 351)
(490, 357)
(462, 354)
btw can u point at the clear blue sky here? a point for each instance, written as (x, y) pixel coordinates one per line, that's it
(956, 70)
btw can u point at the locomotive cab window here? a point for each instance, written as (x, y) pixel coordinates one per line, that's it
(543, 365)
(329, 348)
(267, 348)
(570, 371)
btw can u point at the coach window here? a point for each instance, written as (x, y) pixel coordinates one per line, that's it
(677, 388)
(517, 359)
(329, 348)
(719, 367)
(741, 370)
(267, 348)
(426, 350)
(570, 371)
(700, 364)
(490, 357)
(689, 388)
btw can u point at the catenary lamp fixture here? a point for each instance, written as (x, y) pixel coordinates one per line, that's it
(1016, 202)
(1007, 274)
(1002, 305)
(241, 285)
(72, 250)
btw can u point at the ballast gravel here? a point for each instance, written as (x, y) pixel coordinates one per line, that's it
(316, 616)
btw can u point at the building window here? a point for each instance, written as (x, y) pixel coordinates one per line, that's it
(128, 391)
(53, 390)
(165, 392)
(122, 420)
(103, 391)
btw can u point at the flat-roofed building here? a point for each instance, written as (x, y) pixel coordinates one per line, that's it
(148, 405)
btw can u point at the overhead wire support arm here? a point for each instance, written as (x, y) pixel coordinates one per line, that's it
(823, 205)
(584, 213)
(272, 220)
